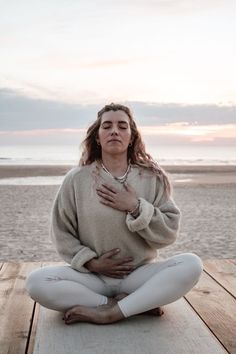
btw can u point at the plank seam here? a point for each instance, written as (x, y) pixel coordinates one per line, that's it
(219, 284)
(206, 324)
(30, 329)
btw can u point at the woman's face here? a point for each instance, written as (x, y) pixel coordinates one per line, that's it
(114, 133)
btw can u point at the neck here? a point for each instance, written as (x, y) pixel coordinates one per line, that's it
(116, 165)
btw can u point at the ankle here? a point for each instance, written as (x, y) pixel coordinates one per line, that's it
(111, 301)
(116, 312)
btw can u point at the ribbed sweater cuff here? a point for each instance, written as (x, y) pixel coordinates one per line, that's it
(146, 210)
(83, 256)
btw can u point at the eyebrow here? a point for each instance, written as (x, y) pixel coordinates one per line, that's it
(120, 121)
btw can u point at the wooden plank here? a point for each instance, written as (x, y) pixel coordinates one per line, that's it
(180, 330)
(217, 309)
(15, 307)
(14, 304)
(32, 334)
(224, 272)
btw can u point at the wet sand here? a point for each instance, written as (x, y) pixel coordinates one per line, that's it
(59, 170)
(206, 196)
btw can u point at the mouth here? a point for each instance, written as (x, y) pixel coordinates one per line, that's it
(114, 140)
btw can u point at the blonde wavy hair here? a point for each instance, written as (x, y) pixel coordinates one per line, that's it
(136, 154)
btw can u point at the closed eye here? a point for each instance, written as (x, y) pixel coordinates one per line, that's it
(108, 126)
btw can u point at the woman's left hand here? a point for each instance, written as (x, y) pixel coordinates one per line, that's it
(124, 200)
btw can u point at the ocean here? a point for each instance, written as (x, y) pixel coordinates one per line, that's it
(165, 155)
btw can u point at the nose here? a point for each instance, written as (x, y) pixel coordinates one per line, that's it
(114, 130)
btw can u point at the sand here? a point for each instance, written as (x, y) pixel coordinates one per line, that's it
(205, 194)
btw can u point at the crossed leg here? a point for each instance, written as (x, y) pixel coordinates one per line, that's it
(148, 287)
(62, 287)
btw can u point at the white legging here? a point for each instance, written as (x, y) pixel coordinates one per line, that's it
(149, 286)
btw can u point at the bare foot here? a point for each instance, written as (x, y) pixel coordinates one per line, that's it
(101, 314)
(120, 296)
(154, 312)
(111, 301)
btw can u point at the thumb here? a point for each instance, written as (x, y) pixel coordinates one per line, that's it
(110, 253)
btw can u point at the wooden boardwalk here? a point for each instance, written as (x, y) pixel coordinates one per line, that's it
(204, 321)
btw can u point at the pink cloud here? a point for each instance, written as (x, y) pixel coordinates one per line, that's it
(43, 132)
(193, 132)
(179, 132)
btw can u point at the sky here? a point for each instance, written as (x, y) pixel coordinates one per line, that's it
(171, 61)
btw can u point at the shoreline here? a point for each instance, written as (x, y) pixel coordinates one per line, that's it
(180, 175)
(59, 170)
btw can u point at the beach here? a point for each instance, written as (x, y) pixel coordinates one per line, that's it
(205, 194)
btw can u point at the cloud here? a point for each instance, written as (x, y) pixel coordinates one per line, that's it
(20, 113)
(153, 113)
(42, 132)
(169, 134)
(183, 128)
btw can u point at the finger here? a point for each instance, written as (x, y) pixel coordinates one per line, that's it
(110, 188)
(124, 272)
(124, 267)
(119, 274)
(123, 260)
(113, 275)
(107, 202)
(110, 253)
(106, 196)
(105, 191)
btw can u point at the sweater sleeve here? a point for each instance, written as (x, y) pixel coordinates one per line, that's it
(157, 223)
(64, 227)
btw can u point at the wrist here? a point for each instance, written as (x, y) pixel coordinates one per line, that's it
(135, 211)
(91, 265)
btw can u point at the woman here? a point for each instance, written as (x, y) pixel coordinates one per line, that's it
(109, 217)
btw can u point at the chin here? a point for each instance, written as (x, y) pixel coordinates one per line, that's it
(115, 151)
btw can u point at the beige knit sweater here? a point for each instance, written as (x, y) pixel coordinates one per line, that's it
(82, 228)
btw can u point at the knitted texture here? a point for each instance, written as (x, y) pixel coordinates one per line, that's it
(82, 228)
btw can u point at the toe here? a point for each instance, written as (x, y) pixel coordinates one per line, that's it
(159, 312)
(67, 315)
(69, 320)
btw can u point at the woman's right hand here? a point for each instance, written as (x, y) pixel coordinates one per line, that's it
(114, 268)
